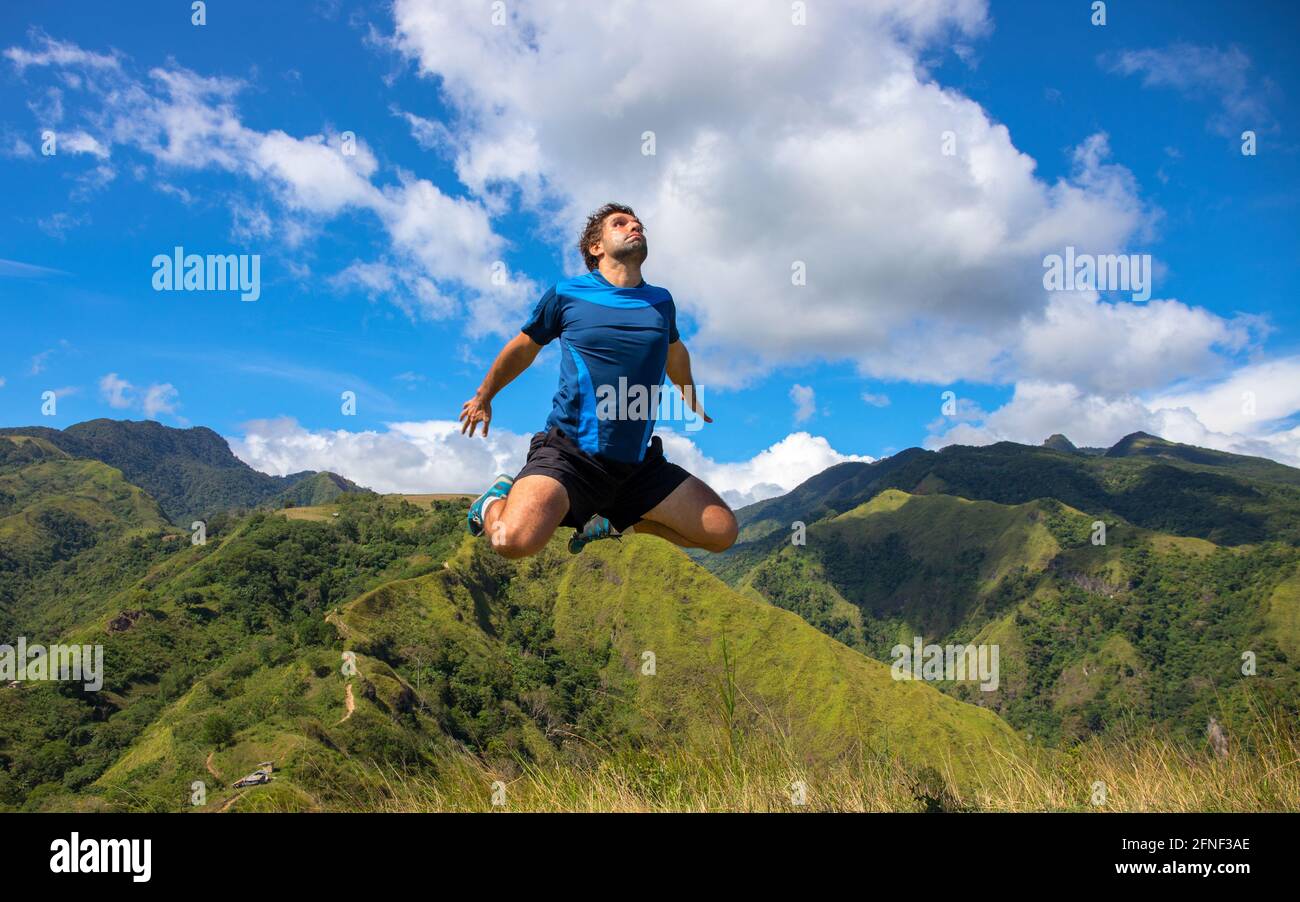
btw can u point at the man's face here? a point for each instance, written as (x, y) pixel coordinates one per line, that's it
(623, 239)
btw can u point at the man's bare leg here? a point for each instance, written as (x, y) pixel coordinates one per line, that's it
(651, 528)
(693, 516)
(521, 523)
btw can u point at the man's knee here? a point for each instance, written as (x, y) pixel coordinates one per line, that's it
(722, 529)
(514, 541)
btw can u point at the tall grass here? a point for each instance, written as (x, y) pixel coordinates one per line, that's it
(1140, 768)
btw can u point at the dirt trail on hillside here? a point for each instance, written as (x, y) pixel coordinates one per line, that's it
(208, 764)
(232, 801)
(349, 702)
(334, 620)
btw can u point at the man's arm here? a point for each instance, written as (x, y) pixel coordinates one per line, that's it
(515, 357)
(679, 371)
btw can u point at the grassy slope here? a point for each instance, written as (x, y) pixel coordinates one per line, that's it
(1282, 616)
(791, 680)
(316, 489)
(53, 509)
(291, 712)
(824, 696)
(1068, 616)
(926, 561)
(202, 651)
(795, 689)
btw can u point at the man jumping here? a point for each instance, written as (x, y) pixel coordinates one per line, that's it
(595, 467)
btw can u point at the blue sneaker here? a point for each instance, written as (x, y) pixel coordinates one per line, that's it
(499, 489)
(597, 528)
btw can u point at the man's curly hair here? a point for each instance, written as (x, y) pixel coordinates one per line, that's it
(595, 228)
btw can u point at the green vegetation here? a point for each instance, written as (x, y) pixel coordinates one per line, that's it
(1142, 768)
(1150, 624)
(1225, 498)
(250, 605)
(383, 660)
(191, 473)
(237, 655)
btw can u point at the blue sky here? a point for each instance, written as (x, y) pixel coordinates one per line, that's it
(482, 144)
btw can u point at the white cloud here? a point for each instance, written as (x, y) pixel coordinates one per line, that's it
(313, 174)
(788, 143)
(81, 142)
(805, 402)
(1202, 71)
(773, 471)
(1035, 411)
(15, 147)
(821, 143)
(1245, 412)
(1249, 398)
(40, 360)
(875, 400)
(249, 222)
(58, 224)
(116, 391)
(155, 399)
(412, 293)
(428, 133)
(93, 180)
(49, 109)
(158, 399)
(433, 456)
(1126, 347)
(180, 194)
(442, 250)
(50, 52)
(16, 269)
(415, 457)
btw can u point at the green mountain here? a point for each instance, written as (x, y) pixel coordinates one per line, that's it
(53, 508)
(1058, 442)
(1228, 499)
(192, 473)
(224, 655)
(361, 642)
(1000, 545)
(309, 489)
(1142, 445)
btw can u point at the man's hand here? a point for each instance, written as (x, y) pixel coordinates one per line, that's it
(693, 402)
(514, 358)
(474, 411)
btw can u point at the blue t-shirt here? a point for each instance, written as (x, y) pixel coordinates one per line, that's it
(613, 350)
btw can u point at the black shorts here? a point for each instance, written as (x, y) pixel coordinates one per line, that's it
(621, 492)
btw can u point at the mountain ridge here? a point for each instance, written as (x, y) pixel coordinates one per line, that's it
(191, 473)
(1219, 496)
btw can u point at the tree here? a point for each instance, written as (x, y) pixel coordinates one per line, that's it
(218, 730)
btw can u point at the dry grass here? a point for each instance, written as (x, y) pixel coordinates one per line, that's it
(1142, 770)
